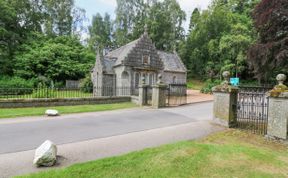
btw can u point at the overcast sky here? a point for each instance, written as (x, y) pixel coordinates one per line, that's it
(102, 6)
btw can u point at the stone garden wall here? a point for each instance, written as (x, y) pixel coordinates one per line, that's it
(61, 102)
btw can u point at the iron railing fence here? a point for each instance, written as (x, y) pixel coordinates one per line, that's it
(252, 109)
(46, 92)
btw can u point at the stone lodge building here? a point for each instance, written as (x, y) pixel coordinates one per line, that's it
(125, 67)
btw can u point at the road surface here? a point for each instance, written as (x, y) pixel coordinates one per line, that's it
(90, 136)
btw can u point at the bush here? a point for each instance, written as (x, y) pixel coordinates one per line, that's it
(16, 82)
(86, 85)
(16, 86)
(209, 84)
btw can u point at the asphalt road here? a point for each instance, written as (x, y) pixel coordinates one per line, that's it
(28, 133)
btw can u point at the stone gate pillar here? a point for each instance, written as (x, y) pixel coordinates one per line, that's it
(225, 103)
(159, 94)
(278, 110)
(143, 92)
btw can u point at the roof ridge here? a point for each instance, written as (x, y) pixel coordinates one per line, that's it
(122, 47)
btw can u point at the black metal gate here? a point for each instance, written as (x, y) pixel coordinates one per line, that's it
(176, 94)
(252, 109)
(148, 95)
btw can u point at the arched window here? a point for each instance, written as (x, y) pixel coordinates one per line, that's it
(97, 79)
(125, 75)
(137, 80)
(125, 79)
(150, 79)
(174, 79)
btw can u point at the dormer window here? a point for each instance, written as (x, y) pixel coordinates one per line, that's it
(146, 59)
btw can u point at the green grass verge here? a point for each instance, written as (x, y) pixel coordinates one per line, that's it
(195, 84)
(20, 112)
(227, 154)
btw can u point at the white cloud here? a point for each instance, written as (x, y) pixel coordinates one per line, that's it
(111, 3)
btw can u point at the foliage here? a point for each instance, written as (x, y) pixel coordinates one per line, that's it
(59, 59)
(268, 57)
(209, 84)
(86, 85)
(16, 82)
(223, 154)
(218, 39)
(17, 19)
(12, 84)
(21, 19)
(100, 32)
(163, 18)
(195, 84)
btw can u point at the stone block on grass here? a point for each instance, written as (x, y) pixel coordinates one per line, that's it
(51, 112)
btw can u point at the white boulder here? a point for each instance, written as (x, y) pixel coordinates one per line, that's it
(51, 112)
(45, 155)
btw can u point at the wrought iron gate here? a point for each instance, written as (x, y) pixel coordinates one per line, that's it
(176, 94)
(252, 109)
(148, 96)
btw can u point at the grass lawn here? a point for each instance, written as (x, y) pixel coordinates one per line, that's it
(20, 112)
(230, 153)
(195, 84)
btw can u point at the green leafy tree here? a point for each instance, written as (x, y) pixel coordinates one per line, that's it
(164, 20)
(59, 59)
(219, 38)
(58, 15)
(100, 32)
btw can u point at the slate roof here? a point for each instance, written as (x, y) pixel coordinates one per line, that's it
(108, 65)
(172, 62)
(121, 52)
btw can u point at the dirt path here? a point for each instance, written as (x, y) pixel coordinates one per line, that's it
(195, 96)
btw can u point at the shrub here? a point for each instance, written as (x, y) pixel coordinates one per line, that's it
(209, 84)
(86, 85)
(16, 86)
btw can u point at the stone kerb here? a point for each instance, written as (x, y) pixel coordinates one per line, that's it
(278, 110)
(158, 94)
(225, 103)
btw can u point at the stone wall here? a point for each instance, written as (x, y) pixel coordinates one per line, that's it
(61, 102)
(135, 99)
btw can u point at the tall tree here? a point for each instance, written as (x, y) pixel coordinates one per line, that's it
(59, 17)
(128, 14)
(100, 32)
(17, 20)
(269, 55)
(195, 16)
(219, 38)
(59, 59)
(164, 20)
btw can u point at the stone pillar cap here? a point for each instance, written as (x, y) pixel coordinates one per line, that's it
(279, 90)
